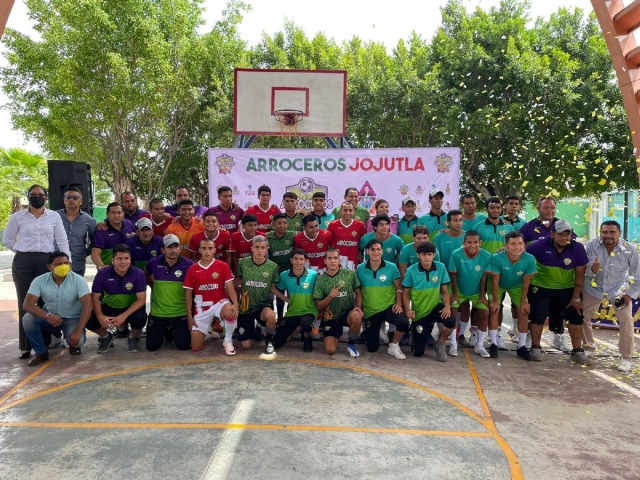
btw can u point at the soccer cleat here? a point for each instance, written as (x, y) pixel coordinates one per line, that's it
(228, 348)
(560, 343)
(536, 353)
(480, 350)
(353, 351)
(394, 350)
(580, 358)
(441, 352)
(493, 350)
(453, 350)
(624, 365)
(524, 353)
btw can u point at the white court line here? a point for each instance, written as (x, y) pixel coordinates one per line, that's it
(617, 383)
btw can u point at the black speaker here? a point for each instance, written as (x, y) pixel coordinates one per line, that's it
(64, 174)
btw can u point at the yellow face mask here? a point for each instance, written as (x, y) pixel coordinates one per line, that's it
(62, 270)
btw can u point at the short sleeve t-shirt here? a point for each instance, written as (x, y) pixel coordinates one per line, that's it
(141, 253)
(185, 234)
(208, 284)
(405, 229)
(425, 287)
(105, 240)
(408, 255)
(347, 282)
(294, 223)
(300, 292)
(346, 240)
(167, 294)
(280, 249)
(469, 224)
(378, 289)
(63, 299)
(446, 244)
(469, 270)
(556, 270)
(265, 217)
(241, 245)
(434, 223)
(119, 291)
(511, 274)
(228, 219)
(221, 239)
(256, 283)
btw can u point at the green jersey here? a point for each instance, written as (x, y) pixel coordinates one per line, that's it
(409, 256)
(425, 287)
(405, 229)
(469, 270)
(300, 292)
(280, 249)
(391, 247)
(256, 283)
(378, 290)
(511, 273)
(347, 282)
(492, 236)
(434, 223)
(469, 224)
(294, 223)
(446, 244)
(360, 213)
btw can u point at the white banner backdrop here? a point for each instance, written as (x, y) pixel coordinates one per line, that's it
(391, 174)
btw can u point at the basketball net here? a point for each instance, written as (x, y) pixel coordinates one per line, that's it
(288, 120)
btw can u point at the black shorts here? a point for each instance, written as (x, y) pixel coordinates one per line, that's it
(137, 320)
(289, 326)
(247, 324)
(335, 326)
(553, 303)
(373, 323)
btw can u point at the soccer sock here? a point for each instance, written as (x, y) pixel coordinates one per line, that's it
(463, 327)
(493, 336)
(500, 331)
(229, 325)
(481, 337)
(522, 339)
(453, 339)
(352, 337)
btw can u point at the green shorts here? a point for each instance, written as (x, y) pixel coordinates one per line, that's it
(515, 294)
(474, 299)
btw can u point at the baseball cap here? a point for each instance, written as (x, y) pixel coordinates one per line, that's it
(561, 226)
(407, 200)
(170, 240)
(144, 222)
(435, 193)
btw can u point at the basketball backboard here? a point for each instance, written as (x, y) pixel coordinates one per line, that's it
(319, 95)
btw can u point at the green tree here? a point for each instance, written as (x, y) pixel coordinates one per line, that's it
(19, 170)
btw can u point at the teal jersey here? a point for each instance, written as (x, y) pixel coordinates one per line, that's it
(405, 229)
(469, 270)
(280, 249)
(324, 220)
(300, 292)
(347, 282)
(434, 223)
(425, 287)
(446, 244)
(391, 247)
(408, 255)
(492, 236)
(516, 224)
(511, 273)
(378, 290)
(256, 283)
(295, 223)
(469, 224)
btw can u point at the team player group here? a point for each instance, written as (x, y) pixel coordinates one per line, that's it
(226, 272)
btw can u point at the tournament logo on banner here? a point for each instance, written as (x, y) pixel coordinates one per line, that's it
(390, 174)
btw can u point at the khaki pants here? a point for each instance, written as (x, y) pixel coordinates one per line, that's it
(625, 323)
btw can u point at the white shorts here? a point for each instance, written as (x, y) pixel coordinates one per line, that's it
(204, 319)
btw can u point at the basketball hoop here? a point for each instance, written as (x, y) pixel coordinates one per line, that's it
(288, 120)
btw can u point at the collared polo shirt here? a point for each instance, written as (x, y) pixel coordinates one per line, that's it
(511, 273)
(168, 295)
(492, 236)
(63, 299)
(446, 244)
(228, 219)
(535, 230)
(324, 220)
(256, 281)
(378, 289)
(434, 223)
(347, 282)
(408, 255)
(425, 287)
(517, 224)
(117, 291)
(391, 247)
(469, 270)
(109, 238)
(265, 217)
(135, 216)
(300, 292)
(556, 270)
(405, 229)
(141, 253)
(222, 241)
(469, 224)
(185, 234)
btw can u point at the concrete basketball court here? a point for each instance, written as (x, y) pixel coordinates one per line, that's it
(207, 416)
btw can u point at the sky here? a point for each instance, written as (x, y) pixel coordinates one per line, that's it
(385, 22)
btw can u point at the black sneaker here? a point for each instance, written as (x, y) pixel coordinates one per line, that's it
(462, 342)
(268, 348)
(74, 351)
(524, 353)
(493, 351)
(258, 334)
(105, 343)
(308, 344)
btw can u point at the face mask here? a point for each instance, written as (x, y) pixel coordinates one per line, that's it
(62, 270)
(37, 202)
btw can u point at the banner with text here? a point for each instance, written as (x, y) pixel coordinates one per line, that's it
(391, 174)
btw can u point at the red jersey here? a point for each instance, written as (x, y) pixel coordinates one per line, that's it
(208, 284)
(346, 239)
(185, 234)
(315, 248)
(241, 245)
(159, 228)
(221, 239)
(264, 216)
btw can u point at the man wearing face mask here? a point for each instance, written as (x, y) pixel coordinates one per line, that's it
(67, 307)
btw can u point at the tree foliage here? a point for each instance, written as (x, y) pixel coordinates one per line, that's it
(19, 170)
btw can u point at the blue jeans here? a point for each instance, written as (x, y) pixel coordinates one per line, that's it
(34, 326)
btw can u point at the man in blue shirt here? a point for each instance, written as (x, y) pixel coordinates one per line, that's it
(80, 228)
(67, 307)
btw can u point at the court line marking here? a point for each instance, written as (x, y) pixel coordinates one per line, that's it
(25, 381)
(512, 458)
(247, 426)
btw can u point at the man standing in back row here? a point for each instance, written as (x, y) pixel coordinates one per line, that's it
(80, 228)
(359, 213)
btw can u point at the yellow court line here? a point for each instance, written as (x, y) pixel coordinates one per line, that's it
(242, 426)
(512, 458)
(15, 389)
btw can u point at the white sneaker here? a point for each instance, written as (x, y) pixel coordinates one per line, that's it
(502, 345)
(453, 350)
(228, 348)
(473, 341)
(384, 338)
(394, 350)
(480, 350)
(624, 365)
(560, 344)
(527, 342)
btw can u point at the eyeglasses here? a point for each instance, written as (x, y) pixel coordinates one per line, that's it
(72, 197)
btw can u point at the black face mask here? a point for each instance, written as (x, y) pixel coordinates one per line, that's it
(37, 202)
